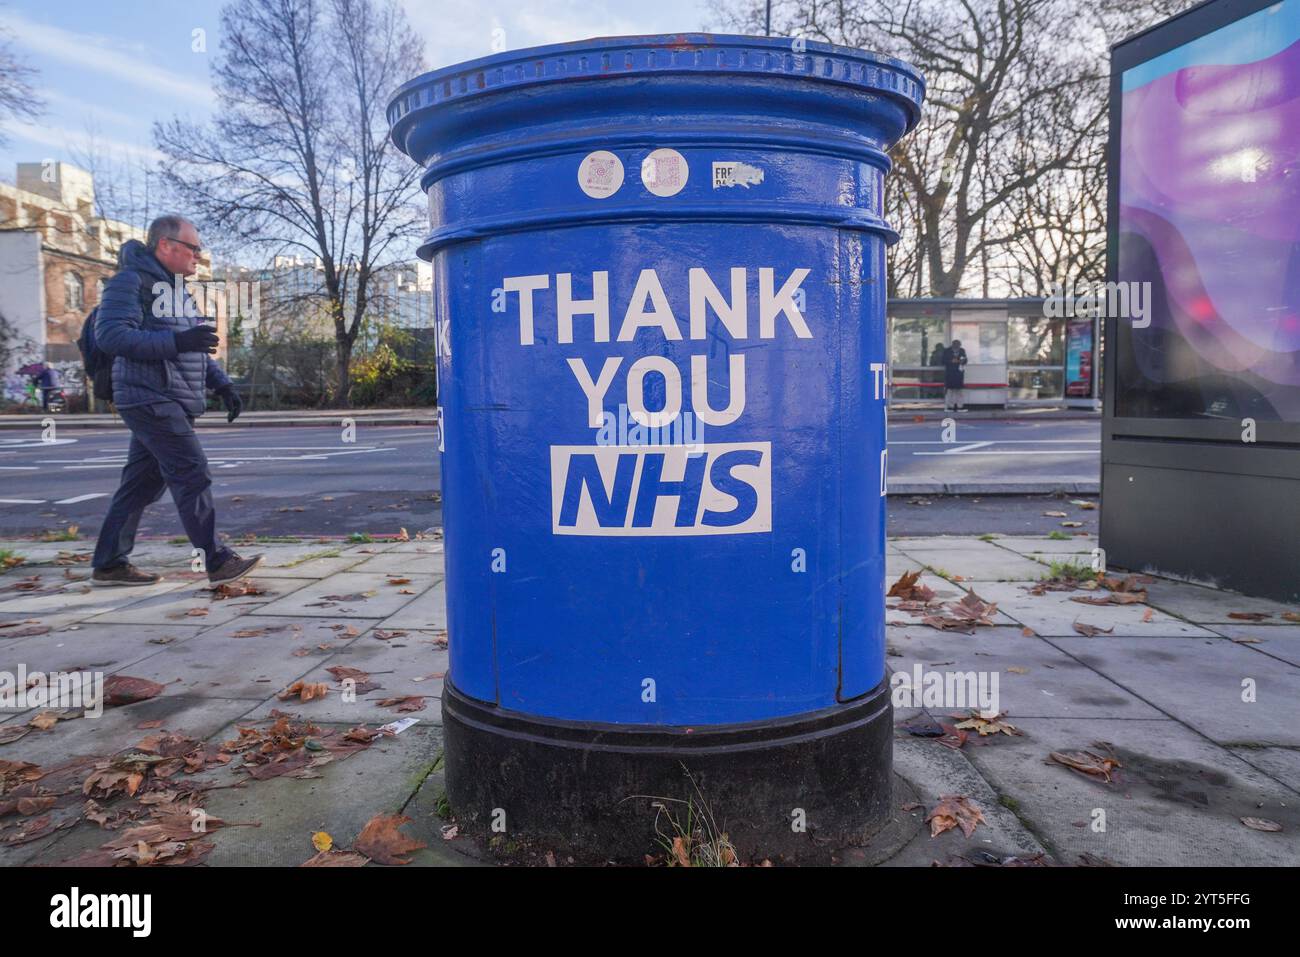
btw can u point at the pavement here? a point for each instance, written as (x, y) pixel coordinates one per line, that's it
(1193, 691)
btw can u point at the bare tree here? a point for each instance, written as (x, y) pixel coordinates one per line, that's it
(298, 158)
(1005, 172)
(18, 96)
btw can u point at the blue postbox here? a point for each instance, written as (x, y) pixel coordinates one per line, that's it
(659, 271)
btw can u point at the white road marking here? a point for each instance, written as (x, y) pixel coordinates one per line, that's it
(22, 501)
(1019, 452)
(964, 448)
(81, 498)
(999, 441)
(17, 468)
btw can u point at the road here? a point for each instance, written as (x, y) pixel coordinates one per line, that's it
(303, 480)
(995, 450)
(269, 481)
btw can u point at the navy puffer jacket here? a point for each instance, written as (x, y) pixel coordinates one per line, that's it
(136, 324)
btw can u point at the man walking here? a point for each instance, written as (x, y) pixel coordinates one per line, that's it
(162, 368)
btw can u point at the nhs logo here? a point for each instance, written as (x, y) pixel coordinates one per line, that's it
(707, 489)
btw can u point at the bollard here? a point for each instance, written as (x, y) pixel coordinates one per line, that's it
(659, 271)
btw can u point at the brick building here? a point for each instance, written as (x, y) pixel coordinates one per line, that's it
(55, 256)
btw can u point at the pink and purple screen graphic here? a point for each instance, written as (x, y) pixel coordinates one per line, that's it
(1210, 215)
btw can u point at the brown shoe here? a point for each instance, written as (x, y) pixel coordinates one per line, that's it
(232, 568)
(126, 574)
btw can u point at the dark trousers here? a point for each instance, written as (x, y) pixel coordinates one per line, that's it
(164, 454)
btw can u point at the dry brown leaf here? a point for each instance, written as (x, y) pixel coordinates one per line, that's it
(1091, 631)
(907, 588)
(987, 723)
(123, 689)
(408, 703)
(381, 841)
(1088, 763)
(337, 859)
(305, 691)
(954, 810)
(1261, 824)
(1248, 615)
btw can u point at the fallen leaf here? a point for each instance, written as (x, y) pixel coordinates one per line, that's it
(1261, 824)
(1248, 615)
(399, 581)
(123, 689)
(1149, 614)
(1017, 670)
(381, 841)
(337, 859)
(27, 632)
(1072, 524)
(954, 810)
(1055, 514)
(1291, 615)
(987, 723)
(1091, 631)
(1088, 763)
(322, 841)
(305, 691)
(907, 588)
(407, 703)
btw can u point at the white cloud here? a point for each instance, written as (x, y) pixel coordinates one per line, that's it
(69, 140)
(128, 62)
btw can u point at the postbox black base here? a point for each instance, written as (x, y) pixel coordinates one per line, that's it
(793, 790)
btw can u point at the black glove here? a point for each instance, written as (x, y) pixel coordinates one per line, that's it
(230, 399)
(197, 339)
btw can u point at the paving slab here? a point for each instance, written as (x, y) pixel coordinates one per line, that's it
(1201, 684)
(940, 543)
(1177, 802)
(1029, 544)
(1209, 605)
(216, 664)
(178, 605)
(82, 597)
(1281, 764)
(1053, 684)
(1280, 641)
(393, 665)
(104, 648)
(427, 611)
(934, 771)
(981, 565)
(379, 780)
(1054, 614)
(403, 563)
(352, 598)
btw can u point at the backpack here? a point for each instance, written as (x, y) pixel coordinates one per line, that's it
(98, 364)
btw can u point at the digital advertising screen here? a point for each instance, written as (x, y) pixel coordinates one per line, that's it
(1209, 225)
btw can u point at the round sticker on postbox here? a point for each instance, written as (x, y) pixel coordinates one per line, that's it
(600, 174)
(664, 172)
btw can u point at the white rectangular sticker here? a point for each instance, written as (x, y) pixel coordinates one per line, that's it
(722, 488)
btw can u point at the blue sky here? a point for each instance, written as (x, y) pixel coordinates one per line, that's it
(114, 66)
